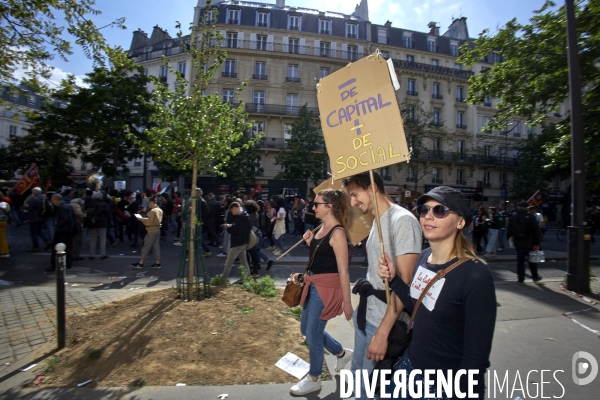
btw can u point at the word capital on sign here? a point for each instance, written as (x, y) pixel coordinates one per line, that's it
(360, 118)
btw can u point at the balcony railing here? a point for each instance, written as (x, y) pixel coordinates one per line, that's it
(259, 77)
(409, 44)
(228, 74)
(437, 180)
(233, 21)
(278, 143)
(412, 93)
(292, 80)
(410, 179)
(325, 32)
(460, 99)
(278, 109)
(437, 96)
(461, 182)
(294, 27)
(351, 35)
(463, 158)
(416, 66)
(461, 126)
(263, 24)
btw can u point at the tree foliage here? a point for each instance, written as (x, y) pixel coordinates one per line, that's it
(532, 77)
(34, 32)
(302, 158)
(246, 165)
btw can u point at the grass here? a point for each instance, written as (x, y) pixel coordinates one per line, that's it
(95, 354)
(246, 310)
(52, 363)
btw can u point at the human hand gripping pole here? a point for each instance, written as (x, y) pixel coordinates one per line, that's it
(298, 244)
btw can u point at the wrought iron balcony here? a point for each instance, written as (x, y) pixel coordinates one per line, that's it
(259, 77)
(233, 21)
(460, 99)
(437, 96)
(325, 32)
(487, 184)
(517, 134)
(416, 66)
(410, 179)
(228, 74)
(292, 80)
(277, 109)
(279, 143)
(461, 182)
(351, 35)
(487, 103)
(437, 180)
(461, 126)
(412, 93)
(294, 27)
(263, 24)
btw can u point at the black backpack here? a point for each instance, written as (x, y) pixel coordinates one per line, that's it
(521, 226)
(47, 208)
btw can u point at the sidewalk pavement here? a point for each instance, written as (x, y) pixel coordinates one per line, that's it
(531, 334)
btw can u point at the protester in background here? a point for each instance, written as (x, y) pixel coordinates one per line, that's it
(238, 225)
(214, 209)
(251, 209)
(297, 213)
(166, 205)
(479, 229)
(152, 240)
(524, 229)
(453, 329)
(133, 229)
(533, 210)
(263, 226)
(34, 206)
(502, 222)
(96, 217)
(279, 228)
(177, 210)
(326, 292)
(110, 205)
(64, 230)
(226, 236)
(77, 206)
(310, 221)
(493, 226)
(67, 195)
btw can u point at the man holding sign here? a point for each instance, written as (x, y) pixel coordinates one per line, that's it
(402, 241)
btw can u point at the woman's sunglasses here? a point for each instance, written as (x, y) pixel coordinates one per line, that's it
(439, 211)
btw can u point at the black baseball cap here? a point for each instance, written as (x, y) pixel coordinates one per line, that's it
(451, 198)
(522, 204)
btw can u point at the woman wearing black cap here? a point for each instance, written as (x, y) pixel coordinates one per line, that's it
(454, 326)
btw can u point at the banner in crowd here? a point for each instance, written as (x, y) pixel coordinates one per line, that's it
(536, 199)
(29, 180)
(360, 117)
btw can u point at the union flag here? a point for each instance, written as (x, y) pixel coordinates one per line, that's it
(29, 180)
(536, 199)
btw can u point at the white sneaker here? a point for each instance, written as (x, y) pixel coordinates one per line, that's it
(276, 252)
(222, 255)
(306, 385)
(341, 362)
(177, 244)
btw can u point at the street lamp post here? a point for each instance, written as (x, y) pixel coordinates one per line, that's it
(578, 256)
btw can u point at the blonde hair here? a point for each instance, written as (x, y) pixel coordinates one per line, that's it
(340, 205)
(463, 248)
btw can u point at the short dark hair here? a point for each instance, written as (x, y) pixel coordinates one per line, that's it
(363, 180)
(251, 206)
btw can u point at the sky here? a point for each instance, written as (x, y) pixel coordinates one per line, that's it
(408, 14)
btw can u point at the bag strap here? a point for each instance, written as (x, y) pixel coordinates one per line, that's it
(439, 275)
(312, 258)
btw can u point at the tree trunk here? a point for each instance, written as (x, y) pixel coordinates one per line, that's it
(192, 228)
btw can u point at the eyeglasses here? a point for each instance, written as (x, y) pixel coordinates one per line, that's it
(316, 203)
(439, 211)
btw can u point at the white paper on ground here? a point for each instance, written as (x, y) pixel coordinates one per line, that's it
(180, 384)
(293, 365)
(83, 383)
(27, 368)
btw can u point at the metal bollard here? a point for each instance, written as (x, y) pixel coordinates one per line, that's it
(61, 318)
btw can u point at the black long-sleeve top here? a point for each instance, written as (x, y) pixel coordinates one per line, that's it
(240, 229)
(457, 333)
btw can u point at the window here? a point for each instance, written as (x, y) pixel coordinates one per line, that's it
(435, 61)
(437, 175)
(454, 49)
(294, 46)
(460, 94)
(12, 131)
(457, 66)
(325, 49)
(486, 120)
(460, 120)
(517, 129)
(431, 45)
(437, 91)
(287, 132)
(487, 150)
(229, 71)
(487, 101)
(228, 95)
(231, 41)
(259, 97)
(411, 112)
(438, 144)
(325, 26)
(209, 17)
(556, 183)
(261, 42)
(382, 36)
(168, 48)
(291, 103)
(410, 174)
(385, 173)
(293, 74)
(83, 165)
(257, 129)
(410, 58)
(163, 71)
(233, 17)
(407, 41)
(460, 177)
(353, 53)
(181, 68)
(260, 70)
(460, 146)
(532, 130)
(351, 30)
(145, 71)
(323, 72)
(411, 88)
(294, 22)
(437, 117)
(487, 179)
(262, 19)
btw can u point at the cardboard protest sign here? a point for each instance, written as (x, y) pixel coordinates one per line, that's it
(360, 223)
(360, 118)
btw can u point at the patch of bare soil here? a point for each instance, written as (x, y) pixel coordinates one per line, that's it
(234, 337)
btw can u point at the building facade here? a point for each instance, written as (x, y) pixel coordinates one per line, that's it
(283, 50)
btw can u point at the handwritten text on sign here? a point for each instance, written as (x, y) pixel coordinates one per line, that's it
(360, 119)
(421, 279)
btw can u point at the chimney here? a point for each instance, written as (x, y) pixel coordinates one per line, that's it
(433, 29)
(280, 3)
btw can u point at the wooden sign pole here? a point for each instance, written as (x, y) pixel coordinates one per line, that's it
(381, 247)
(298, 244)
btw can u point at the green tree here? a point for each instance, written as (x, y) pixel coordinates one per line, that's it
(193, 131)
(34, 32)
(531, 80)
(246, 165)
(303, 158)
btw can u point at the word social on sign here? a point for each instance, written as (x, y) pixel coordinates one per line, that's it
(360, 118)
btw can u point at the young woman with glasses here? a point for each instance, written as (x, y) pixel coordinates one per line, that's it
(326, 291)
(454, 326)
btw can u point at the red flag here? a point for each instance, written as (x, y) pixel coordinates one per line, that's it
(257, 189)
(536, 199)
(30, 179)
(49, 182)
(158, 187)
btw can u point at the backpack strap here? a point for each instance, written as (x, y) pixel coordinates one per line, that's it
(439, 275)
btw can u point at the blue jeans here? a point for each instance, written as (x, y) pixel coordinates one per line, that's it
(278, 242)
(492, 237)
(313, 328)
(359, 358)
(35, 230)
(405, 364)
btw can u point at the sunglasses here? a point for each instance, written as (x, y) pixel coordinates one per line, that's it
(316, 203)
(439, 211)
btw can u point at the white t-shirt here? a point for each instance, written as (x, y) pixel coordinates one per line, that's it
(279, 228)
(401, 235)
(539, 218)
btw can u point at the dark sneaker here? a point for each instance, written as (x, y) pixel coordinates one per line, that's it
(537, 279)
